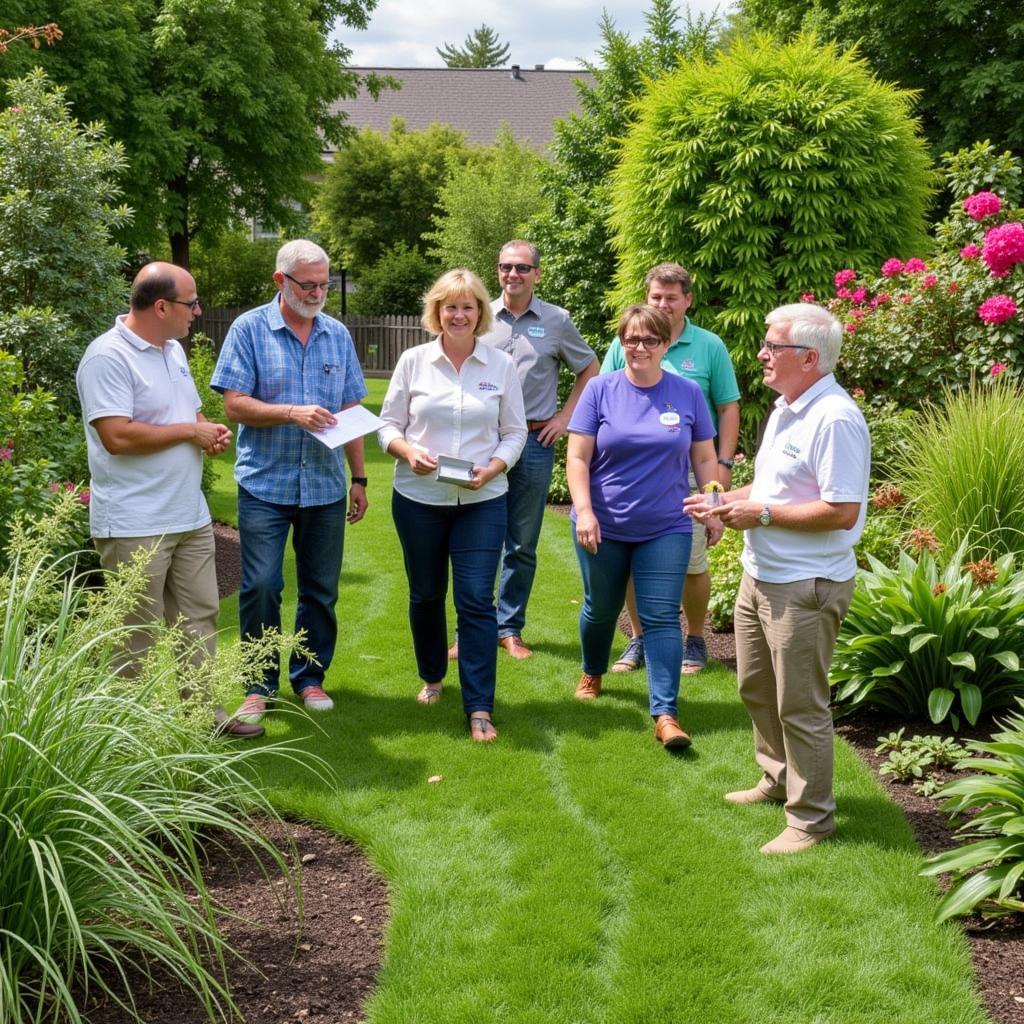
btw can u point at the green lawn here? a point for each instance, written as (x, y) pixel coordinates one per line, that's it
(573, 872)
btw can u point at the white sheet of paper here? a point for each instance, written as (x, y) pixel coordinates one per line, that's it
(351, 423)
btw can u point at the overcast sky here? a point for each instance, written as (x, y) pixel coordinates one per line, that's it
(555, 33)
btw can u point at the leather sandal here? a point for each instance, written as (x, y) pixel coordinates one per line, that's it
(430, 694)
(482, 729)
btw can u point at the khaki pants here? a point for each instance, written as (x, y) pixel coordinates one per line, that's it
(182, 582)
(785, 634)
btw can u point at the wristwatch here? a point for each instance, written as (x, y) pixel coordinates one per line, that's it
(765, 518)
(361, 480)
(728, 463)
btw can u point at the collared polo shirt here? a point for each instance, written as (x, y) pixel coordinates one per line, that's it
(815, 448)
(121, 374)
(473, 413)
(538, 340)
(262, 357)
(697, 354)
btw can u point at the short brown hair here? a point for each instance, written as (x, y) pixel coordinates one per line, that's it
(151, 285)
(670, 273)
(450, 285)
(521, 243)
(657, 321)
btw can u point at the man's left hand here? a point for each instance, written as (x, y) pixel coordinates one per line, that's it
(552, 430)
(357, 503)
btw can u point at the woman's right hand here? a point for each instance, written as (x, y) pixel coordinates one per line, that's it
(420, 462)
(588, 531)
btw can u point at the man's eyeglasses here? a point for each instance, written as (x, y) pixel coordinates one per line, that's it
(522, 268)
(310, 286)
(638, 342)
(192, 304)
(773, 349)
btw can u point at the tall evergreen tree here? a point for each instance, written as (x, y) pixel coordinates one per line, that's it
(481, 49)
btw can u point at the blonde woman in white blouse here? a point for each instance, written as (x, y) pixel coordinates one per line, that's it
(458, 398)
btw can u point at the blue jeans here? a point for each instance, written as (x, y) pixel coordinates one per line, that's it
(528, 483)
(318, 539)
(470, 537)
(659, 569)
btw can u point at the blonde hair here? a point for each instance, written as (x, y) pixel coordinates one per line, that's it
(450, 286)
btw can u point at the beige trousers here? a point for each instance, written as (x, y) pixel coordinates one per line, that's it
(182, 583)
(785, 634)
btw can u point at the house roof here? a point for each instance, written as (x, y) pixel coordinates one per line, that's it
(473, 100)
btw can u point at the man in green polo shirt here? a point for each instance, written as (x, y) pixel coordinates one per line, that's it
(703, 357)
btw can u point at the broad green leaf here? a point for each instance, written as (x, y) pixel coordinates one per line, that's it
(963, 898)
(940, 700)
(1014, 827)
(1008, 659)
(917, 642)
(991, 632)
(970, 701)
(962, 659)
(888, 670)
(903, 628)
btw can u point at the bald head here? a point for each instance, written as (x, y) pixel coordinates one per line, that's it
(160, 281)
(163, 303)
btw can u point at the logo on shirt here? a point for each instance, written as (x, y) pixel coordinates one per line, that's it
(687, 364)
(791, 450)
(184, 371)
(535, 332)
(486, 385)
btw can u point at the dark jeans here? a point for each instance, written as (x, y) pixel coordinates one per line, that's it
(470, 536)
(318, 539)
(658, 568)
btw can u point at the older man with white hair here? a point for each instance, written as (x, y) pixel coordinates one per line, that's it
(801, 518)
(284, 370)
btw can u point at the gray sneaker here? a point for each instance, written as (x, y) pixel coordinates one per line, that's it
(632, 657)
(695, 655)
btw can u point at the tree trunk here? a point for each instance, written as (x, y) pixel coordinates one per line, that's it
(180, 248)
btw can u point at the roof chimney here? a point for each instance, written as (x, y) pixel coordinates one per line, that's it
(515, 73)
(538, 67)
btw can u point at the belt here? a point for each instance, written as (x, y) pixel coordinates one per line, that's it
(532, 425)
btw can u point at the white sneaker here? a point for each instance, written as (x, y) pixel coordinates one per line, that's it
(316, 700)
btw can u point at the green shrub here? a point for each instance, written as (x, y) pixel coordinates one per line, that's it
(202, 358)
(726, 573)
(761, 171)
(988, 873)
(919, 641)
(912, 324)
(235, 270)
(395, 284)
(963, 472)
(107, 787)
(883, 531)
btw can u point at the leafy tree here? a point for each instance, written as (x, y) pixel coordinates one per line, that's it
(235, 270)
(762, 172)
(60, 280)
(222, 106)
(482, 49)
(383, 190)
(965, 56)
(395, 284)
(571, 231)
(484, 203)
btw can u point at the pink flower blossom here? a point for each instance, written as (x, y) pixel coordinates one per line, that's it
(6, 454)
(915, 266)
(857, 314)
(850, 328)
(970, 252)
(929, 282)
(1004, 248)
(807, 297)
(844, 277)
(843, 293)
(54, 487)
(15, 110)
(857, 392)
(997, 309)
(953, 287)
(906, 298)
(890, 268)
(982, 205)
(859, 294)
(878, 300)
(997, 368)
(84, 496)
(68, 485)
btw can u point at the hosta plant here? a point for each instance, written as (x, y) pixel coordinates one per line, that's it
(922, 640)
(988, 872)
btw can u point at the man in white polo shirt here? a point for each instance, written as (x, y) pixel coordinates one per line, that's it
(802, 516)
(146, 438)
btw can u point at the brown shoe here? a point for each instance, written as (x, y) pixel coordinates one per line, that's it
(668, 733)
(515, 647)
(453, 651)
(589, 687)
(752, 796)
(795, 840)
(224, 725)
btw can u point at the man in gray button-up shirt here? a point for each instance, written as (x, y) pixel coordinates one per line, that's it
(539, 337)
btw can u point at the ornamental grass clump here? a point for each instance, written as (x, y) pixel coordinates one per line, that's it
(108, 792)
(919, 640)
(963, 469)
(988, 873)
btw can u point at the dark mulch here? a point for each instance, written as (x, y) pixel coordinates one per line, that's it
(329, 982)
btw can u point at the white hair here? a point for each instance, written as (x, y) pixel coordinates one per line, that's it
(812, 326)
(299, 250)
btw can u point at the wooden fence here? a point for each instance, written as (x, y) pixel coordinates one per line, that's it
(379, 340)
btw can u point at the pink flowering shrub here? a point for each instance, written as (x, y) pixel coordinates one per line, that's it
(890, 268)
(982, 205)
(1003, 248)
(997, 309)
(970, 252)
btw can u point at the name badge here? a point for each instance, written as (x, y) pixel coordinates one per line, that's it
(669, 419)
(535, 332)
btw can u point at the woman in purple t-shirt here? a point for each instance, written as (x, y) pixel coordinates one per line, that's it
(631, 439)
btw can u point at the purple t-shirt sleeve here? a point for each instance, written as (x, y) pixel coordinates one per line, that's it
(585, 418)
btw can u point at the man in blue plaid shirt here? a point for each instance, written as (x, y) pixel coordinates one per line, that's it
(285, 368)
